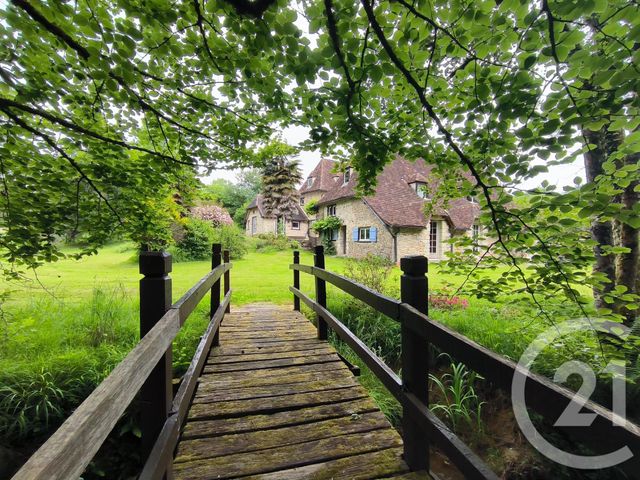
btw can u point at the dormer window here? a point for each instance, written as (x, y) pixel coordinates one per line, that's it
(347, 175)
(421, 189)
(472, 198)
(309, 181)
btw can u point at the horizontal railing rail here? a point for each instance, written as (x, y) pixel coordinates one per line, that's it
(544, 396)
(66, 454)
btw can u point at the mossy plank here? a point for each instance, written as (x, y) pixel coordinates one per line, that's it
(281, 362)
(228, 340)
(217, 395)
(357, 467)
(410, 476)
(245, 349)
(221, 383)
(201, 448)
(220, 426)
(287, 457)
(254, 357)
(336, 364)
(267, 336)
(272, 404)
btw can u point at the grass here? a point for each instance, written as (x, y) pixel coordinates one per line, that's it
(68, 327)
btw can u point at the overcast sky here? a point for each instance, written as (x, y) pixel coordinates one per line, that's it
(559, 175)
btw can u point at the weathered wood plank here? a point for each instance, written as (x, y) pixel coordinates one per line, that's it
(210, 428)
(337, 364)
(286, 457)
(245, 349)
(410, 476)
(216, 395)
(198, 449)
(271, 404)
(281, 362)
(252, 381)
(366, 466)
(256, 343)
(253, 357)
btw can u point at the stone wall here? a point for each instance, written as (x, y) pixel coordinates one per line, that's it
(415, 241)
(264, 225)
(354, 213)
(268, 225)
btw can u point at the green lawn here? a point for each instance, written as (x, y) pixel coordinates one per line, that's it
(258, 277)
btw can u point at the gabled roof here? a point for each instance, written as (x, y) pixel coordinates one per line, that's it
(258, 202)
(323, 177)
(396, 202)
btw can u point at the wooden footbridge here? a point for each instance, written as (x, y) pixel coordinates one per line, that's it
(267, 397)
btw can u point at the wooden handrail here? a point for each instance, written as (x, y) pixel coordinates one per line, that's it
(375, 364)
(69, 450)
(474, 467)
(162, 451)
(547, 398)
(381, 303)
(190, 300)
(66, 454)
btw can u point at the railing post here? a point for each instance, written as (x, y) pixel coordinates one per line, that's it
(227, 278)
(415, 358)
(321, 292)
(296, 280)
(216, 260)
(156, 393)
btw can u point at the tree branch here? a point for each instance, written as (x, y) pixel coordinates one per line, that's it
(18, 121)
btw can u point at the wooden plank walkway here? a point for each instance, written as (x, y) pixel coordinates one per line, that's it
(275, 403)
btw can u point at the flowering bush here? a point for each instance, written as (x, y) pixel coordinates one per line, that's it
(445, 302)
(212, 213)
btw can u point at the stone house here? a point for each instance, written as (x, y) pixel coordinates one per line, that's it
(392, 222)
(322, 179)
(257, 221)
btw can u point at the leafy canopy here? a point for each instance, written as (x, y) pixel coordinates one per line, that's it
(500, 89)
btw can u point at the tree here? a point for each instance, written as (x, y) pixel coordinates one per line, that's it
(235, 197)
(500, 90)
(280, 178)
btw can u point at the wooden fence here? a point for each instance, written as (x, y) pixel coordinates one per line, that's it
(146, 369)
(420, 426)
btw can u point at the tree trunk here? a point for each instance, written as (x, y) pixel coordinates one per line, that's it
(601, 232)
(627, 263)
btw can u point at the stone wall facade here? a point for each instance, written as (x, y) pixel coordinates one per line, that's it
(354, 213)
(268, 225)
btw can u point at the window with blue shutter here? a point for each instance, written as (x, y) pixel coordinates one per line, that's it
(374, 234)
(355, 234)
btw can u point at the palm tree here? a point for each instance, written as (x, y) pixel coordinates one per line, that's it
(280, 177)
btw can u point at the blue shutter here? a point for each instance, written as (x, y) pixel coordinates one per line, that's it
(373, 234)
(355, 234)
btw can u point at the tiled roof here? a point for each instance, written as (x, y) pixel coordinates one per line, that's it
(258, 202)
(397, 204)
(323, 177)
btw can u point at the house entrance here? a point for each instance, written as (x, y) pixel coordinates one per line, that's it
(343, 240)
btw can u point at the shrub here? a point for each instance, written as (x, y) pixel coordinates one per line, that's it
(446, 302)
(196, 242)
(311, 208)
(213, 214)
(232, 238)
(329, 246)
(271, 242)
(459, 402)
(372, 271)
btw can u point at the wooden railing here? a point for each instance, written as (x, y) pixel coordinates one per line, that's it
(146, 369)
(420, 426)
